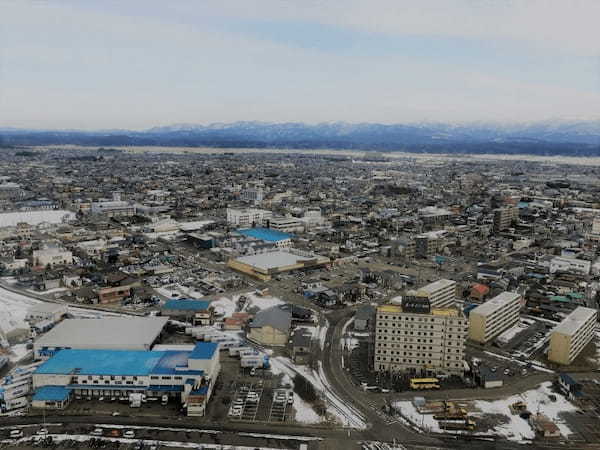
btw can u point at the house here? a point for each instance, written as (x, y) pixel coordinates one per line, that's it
(364, 318)
(270, 327)
(237, 321)
(197, 312)
(86, 294)
(479, 292)
(301, 346)
(113, 294)
(568, 386)
(543, 426)
(52, 312)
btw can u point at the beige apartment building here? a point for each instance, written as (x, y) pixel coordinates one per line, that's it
(441, 293)
(427, 343)
(494, 316)
(572, 335)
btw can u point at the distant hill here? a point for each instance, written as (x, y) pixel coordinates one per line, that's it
(574, 138)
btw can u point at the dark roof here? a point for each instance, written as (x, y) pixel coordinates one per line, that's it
(275, 317)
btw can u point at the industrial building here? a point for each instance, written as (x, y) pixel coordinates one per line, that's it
(494, 316)
(440, 294)
(278, 238)
(417, 338)
(188, 376)
(570, 337)
(196, 312)
(119, 333)
(264, 265)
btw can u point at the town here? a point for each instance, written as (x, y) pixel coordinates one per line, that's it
(297, 300)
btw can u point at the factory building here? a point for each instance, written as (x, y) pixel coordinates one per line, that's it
(119, 333)
(440, 294)
(572, 335)
(494, 316)
(184, 375)
(417, 338)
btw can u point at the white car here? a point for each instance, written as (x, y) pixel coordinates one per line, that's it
(97, 432)
(42, 432)
(16, 434)
(235, 411)
(129, 434)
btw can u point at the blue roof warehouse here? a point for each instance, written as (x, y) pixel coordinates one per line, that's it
(187, 376)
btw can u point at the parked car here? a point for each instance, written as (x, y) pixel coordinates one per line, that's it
(129, 434)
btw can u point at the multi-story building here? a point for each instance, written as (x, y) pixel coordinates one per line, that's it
(560, 264)
(504, 217)
(286, 224)
(427, 245)
(113, 208)
(494, 316)
(572, 335)
(52, 257)
(440, 294)
(418, 339)
(248, 217)
(253, 194)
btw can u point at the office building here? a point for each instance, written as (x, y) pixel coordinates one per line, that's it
(286, 224)
(494, 316)
(253, 195)
(415, 338)
(560, 264)
(572, 335)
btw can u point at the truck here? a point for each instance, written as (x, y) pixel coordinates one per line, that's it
(249, 352)
(236, 351)
(467, 424)
(15, 403)
(135, 400)
(256, 362)
(230, 343)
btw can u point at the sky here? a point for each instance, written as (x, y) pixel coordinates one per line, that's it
(135, 64)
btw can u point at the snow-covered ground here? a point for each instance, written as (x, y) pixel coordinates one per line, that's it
(537, 400)
(18, 352)
(224, 306)
(344, 413)
(260, 302)
(11, 219)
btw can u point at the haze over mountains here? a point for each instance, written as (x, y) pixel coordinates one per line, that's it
(557, 137)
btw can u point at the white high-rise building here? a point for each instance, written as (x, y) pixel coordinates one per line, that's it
(248, 217)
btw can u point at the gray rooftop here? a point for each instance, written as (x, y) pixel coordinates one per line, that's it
(109, 333)
(495, 303)
(275, 317)
(575, 320)
(272, 260)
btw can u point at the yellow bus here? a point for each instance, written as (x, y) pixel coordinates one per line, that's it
(424, 383)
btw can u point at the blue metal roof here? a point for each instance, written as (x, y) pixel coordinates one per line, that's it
(200, 391)
(186, 304)
(265, 234)
(51, 394)
(169, 361)
(101, 362)
(204, 350)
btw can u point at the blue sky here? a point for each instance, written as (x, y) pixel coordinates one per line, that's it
(141, 63)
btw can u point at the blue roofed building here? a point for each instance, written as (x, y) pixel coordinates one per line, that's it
(196, 312)
(119, 373)
(279, 238)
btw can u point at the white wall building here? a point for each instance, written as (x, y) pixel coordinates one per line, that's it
(52, 257)
(494, 316)
(247, 217)
(560, 264)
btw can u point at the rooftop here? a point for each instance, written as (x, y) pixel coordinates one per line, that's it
(272, 260)
(571, 324)
(120, 332)
(186, 304)
(495, 303)
(265, 234)
(51, 394)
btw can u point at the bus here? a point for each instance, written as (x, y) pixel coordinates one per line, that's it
(424, 383)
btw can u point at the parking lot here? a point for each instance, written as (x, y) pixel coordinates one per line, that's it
(253, 402)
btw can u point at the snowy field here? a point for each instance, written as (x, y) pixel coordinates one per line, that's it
(11, 219)
(516, 428)
(338, 408)
(537, 400)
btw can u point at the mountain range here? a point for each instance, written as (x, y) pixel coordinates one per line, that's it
(558, 137)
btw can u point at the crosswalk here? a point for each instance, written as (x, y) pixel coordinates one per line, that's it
(387, 419)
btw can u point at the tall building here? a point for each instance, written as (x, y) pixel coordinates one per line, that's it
(248, 217)
(429, 244)
(572, 335)
(440, 294)
(504, 217)
(494, 316)
(254, 195)
(418, 339)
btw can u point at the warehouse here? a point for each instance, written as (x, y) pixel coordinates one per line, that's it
(119, 333)
(184, 375)
(264, 265)
(494, 316)
(196, 312)
(570, 337)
